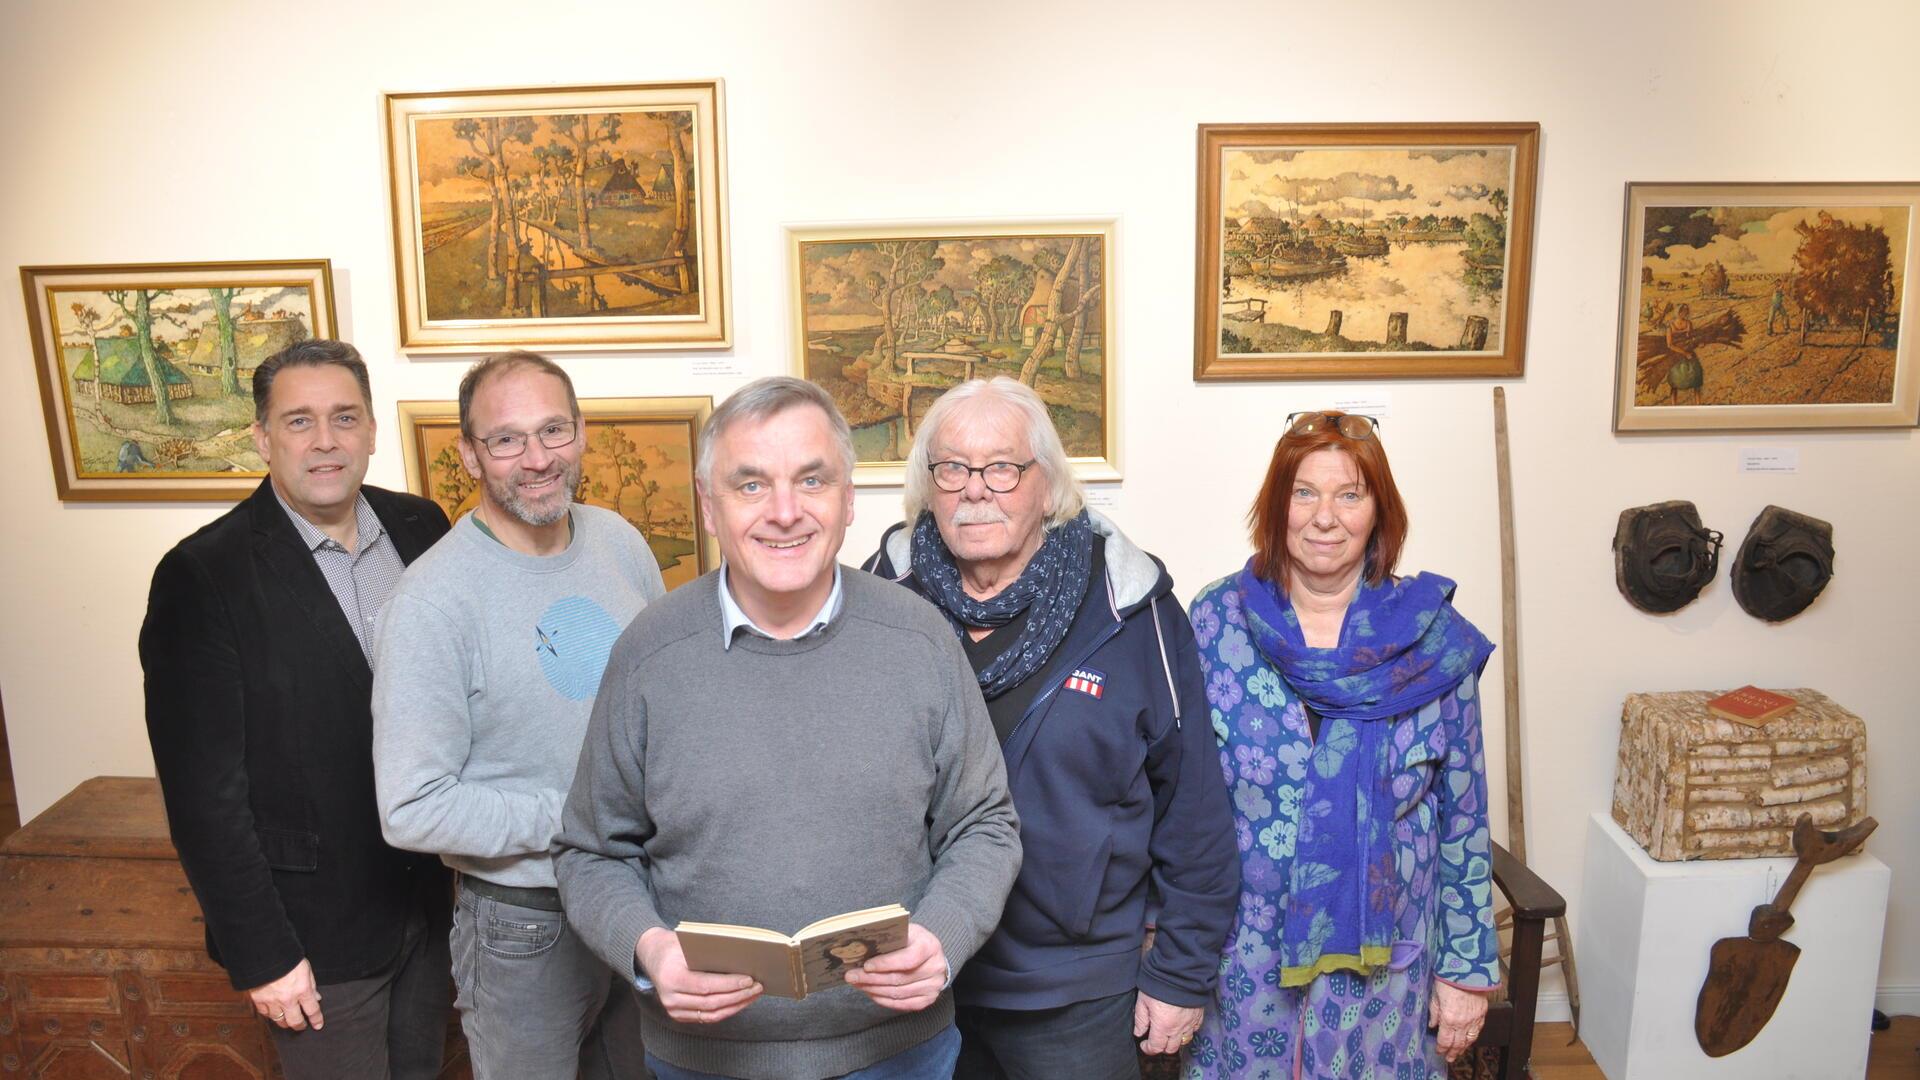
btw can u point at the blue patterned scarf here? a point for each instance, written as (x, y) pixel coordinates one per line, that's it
(1051, 585)
(1401, 647)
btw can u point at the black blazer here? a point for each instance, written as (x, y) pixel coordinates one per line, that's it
(259, 711)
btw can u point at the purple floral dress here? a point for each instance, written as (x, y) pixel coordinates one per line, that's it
(1342, 1024)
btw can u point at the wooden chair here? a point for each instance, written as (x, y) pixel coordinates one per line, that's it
(1505, 1045)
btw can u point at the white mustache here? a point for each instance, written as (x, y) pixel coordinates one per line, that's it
(978, 514)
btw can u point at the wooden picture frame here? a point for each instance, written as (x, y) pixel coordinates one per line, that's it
(1767, 307)
(639, 461)
(103, 335)
(966, 300)
(1354, 251)
(558, 218)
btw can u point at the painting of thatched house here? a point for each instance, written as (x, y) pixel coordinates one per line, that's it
(106, 338)
(560, 217)
(253, 341)
(112, 368)
(613, 184)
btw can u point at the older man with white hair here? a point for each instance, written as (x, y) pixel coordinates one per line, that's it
(1091, 678)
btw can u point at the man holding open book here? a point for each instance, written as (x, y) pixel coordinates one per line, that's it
(778, 743)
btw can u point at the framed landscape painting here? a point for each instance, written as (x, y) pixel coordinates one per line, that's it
(1344, 251)
(888, 318)
(589, 217)
(1767, 306)
(146, 370)
(638, 461)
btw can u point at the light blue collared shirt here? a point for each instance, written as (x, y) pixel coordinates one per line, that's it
(733, 620)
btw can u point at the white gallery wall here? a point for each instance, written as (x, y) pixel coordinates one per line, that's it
(202, 131)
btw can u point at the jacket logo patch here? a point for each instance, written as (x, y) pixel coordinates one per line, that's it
(1087, 681)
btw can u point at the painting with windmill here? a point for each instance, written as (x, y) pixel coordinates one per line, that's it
(147, 371)
(1766, 305)
(888, 318)
(563, 217)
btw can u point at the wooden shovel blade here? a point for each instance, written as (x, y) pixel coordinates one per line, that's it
(1745, 979)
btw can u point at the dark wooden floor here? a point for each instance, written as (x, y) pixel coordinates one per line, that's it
(1895, 1054)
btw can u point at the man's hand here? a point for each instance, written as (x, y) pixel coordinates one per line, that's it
(290, 1001)
(691, 997)
(1167, 1027)
(1456, 1015)
(907, 979)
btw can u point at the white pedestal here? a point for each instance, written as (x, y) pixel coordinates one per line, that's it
(1645, 931)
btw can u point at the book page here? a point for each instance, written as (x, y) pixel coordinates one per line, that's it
(826, 957)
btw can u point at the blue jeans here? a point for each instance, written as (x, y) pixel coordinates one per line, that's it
(931, 1060)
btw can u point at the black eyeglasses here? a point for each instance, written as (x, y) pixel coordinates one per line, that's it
(1352, 425)
(999, 476)
(511, 444)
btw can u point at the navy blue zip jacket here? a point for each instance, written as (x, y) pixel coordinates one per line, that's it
(1117, 781)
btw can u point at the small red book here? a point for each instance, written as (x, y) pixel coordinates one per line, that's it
(1751, 706)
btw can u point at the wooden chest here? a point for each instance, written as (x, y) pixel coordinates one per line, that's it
(1691, 785)
(103, 964)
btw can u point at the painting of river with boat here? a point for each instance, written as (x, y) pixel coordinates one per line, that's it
(1364, 250)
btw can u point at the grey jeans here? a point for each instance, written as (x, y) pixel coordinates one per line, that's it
(390, 1025)
(535, 1002)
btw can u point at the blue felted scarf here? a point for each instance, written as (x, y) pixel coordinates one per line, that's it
(1402, 645)
(1051, 585)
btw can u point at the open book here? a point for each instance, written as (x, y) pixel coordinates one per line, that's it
(815, 959)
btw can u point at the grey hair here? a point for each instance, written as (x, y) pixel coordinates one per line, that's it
(1065, 495)
(764, 398)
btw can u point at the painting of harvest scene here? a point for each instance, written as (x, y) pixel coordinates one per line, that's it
(1768, 304)
(146, 371)
(889, 322)
(1361, 250)
(637, 462)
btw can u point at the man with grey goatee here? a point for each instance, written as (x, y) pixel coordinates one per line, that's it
(489, 656)
(781, 741)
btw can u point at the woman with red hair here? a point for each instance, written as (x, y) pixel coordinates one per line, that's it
(1345, 700)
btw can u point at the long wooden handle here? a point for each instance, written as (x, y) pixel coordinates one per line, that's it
(1509, 634)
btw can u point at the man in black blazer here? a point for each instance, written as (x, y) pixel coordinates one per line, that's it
(257, 653)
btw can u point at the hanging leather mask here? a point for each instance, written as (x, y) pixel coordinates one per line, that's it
(1663, 556)
(1784, 562)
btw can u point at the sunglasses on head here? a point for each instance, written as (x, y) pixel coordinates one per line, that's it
(1352, 425)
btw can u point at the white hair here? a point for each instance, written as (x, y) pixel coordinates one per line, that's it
(1065, 497)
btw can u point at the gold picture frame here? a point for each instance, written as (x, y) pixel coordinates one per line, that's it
(560, 218)
(1354, 251)
(639, 462)
(104, 335)
(1767, 307)
(884, 317)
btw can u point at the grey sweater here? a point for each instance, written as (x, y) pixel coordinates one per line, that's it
(780, 782)
(487, 661)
